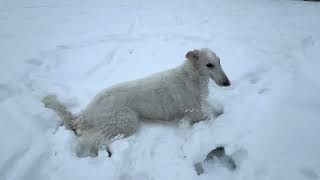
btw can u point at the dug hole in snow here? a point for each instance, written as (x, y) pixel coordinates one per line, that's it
(268, 49)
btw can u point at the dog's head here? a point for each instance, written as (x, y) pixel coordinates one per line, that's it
(208, 64)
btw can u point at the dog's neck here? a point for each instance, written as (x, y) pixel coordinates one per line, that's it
(193, 73)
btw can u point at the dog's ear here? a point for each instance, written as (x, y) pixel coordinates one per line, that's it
(193, 55)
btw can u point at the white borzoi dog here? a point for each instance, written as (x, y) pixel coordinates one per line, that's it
(177, 93)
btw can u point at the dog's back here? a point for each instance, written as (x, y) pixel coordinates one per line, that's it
(162, 96)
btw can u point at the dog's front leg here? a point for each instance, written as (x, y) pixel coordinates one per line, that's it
(195, 115)
(214, 110)
(205, 112)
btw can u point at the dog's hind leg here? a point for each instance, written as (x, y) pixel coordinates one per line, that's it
(86, 146)
(120, 124)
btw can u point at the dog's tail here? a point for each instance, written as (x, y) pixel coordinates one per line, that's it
(68, 118)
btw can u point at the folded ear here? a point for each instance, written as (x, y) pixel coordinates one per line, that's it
(193, 55)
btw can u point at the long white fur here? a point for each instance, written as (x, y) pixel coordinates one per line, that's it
(116, 112)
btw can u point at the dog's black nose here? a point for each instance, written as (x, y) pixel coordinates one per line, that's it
(226, 83)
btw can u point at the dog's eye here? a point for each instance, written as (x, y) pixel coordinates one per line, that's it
(210, 65)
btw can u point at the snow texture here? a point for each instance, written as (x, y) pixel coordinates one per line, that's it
(268, 48)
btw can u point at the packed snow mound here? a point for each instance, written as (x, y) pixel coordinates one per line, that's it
(269, 50)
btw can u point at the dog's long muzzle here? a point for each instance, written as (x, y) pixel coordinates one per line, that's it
(222, 79)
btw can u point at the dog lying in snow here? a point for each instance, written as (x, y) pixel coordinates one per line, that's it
(177, 93)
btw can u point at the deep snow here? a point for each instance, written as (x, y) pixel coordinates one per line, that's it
(269, 50)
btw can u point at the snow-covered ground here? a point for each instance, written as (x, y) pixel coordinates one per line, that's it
(269, 49)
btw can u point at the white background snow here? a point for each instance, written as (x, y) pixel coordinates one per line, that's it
(269, 49)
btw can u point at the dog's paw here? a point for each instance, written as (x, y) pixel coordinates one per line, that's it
(218, 110)
(86, 149)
